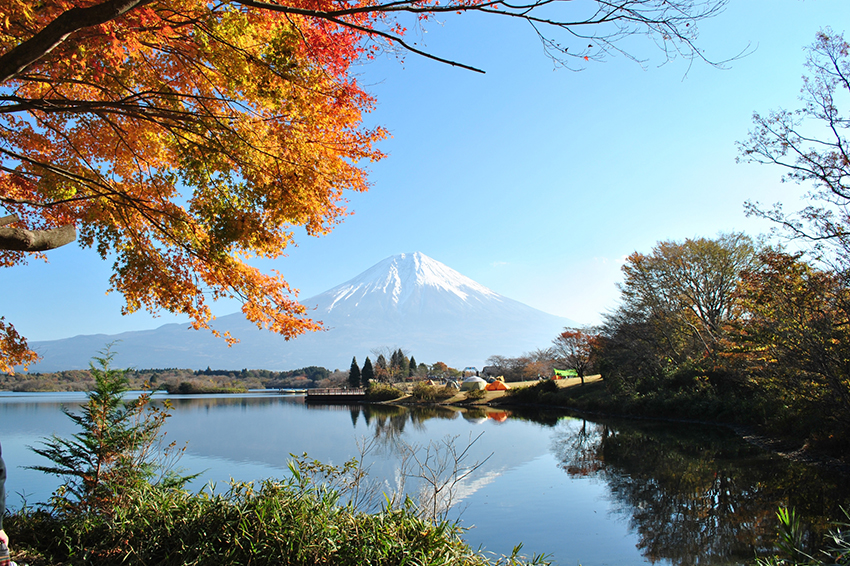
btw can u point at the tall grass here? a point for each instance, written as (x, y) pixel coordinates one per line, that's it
(291, 522)
(835, 553)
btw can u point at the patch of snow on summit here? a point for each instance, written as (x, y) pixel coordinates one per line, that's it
(432, 273)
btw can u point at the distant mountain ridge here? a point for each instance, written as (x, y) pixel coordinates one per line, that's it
(407, 301)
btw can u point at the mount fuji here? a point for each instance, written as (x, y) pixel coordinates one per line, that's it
(407, 301)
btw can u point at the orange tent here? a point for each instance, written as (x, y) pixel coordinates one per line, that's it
(496, 386)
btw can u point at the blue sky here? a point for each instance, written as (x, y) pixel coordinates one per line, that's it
(531, 180)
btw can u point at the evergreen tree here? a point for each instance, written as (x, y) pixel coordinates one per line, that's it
(354, 374)
(367, 374)
(412, 367)
(401, 359)
(398, 365)
(115, 449)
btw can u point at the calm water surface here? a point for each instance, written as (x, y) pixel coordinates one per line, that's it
(585, 492)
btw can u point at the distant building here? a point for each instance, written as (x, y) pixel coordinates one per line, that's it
(467, 371)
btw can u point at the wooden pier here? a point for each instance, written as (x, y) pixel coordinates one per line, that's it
(340, 396)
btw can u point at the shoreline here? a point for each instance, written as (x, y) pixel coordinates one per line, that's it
(782, 448)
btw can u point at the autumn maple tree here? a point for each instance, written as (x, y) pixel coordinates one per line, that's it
(574, 349)
(180, 138)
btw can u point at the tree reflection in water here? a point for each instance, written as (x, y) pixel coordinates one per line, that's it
(693, 494)
(389, 421)
(696, 494)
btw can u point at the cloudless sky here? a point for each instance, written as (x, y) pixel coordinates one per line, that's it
(534, 181)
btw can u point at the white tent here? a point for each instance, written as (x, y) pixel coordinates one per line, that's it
(472, 382)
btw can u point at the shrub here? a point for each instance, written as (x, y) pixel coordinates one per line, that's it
(431, 393)
(382, 392)
(790, 531)
(475, 394)
(116, 450)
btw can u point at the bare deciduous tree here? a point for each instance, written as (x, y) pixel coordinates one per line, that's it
(440, 467)
(811, 145)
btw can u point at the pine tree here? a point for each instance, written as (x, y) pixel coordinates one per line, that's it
(398, 365)
(368, 374)
(354, 374)
(411, 367)
(394, 360)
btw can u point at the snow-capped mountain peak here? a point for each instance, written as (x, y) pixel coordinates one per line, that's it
(399, 280)
(409, 301)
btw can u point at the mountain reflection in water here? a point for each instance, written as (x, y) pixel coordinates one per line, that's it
(599, 491)
(694, 494)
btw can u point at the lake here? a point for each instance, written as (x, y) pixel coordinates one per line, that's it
(590, 492)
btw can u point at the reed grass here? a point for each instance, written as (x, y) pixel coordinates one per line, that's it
(292, 522)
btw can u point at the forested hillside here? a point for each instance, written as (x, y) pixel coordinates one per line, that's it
(176, 380)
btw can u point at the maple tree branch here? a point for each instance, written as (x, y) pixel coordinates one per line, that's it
(396, 39)
(173, 121)
(614, 12)
(664, 19)
(41, 240)
(100, 188)
(44, 204)
(18, 239)
(135, 101)
(17, 60)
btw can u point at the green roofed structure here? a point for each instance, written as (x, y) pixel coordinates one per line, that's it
(559, 373)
